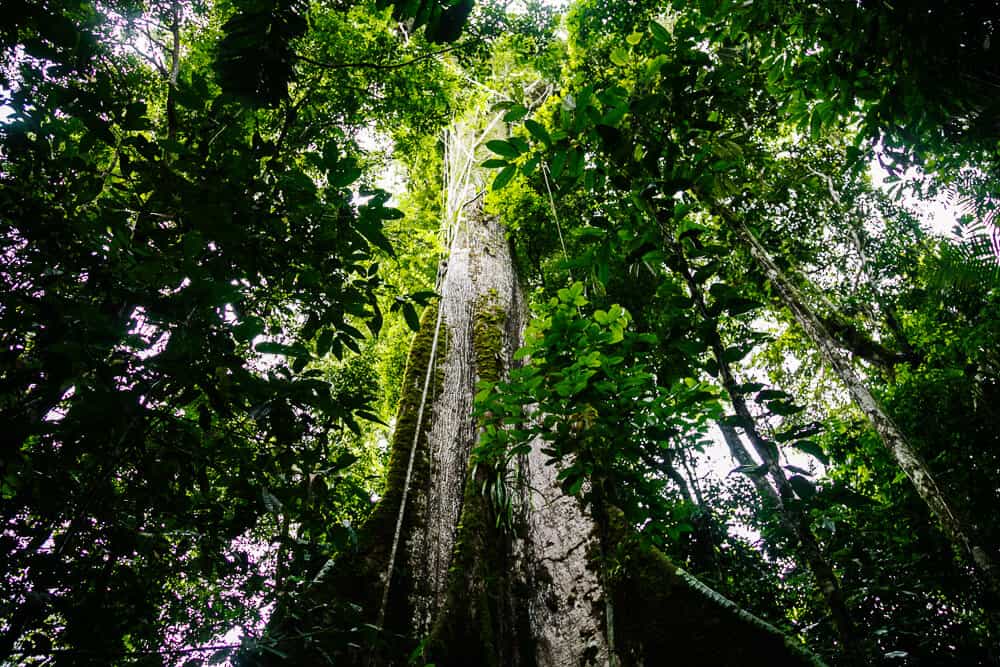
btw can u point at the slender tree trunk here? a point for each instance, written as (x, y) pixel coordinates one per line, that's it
(792, 518)
(892, 437)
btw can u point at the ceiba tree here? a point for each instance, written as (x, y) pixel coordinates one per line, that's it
(523, 574)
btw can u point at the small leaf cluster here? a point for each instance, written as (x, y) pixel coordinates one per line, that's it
(587, 399)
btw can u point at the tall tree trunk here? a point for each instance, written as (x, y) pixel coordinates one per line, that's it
(892, 437)
(548, 585)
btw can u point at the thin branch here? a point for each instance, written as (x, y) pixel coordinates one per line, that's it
(153, 61)
(149, 35)
(381, 66)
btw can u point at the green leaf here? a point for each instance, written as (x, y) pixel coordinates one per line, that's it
(528, 168)
(771, 394)
(494, 163)
(344, 176)
(811, 447)
(372, 231)
(515, 114)
(424, 296)
(558, 162)
(735, 353)
(347, 458)
(519, 144)
(575, 167)
(784, 408)
(538, 131)
(619, 57)
(249, 329)
(375, 323)
(268, 347)
(739, 305)
(503, 148)
(659, 32)
(410, 315)
(504, 177)
(135, 117)
(324, 343)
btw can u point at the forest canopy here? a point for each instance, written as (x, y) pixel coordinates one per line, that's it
(223, 221)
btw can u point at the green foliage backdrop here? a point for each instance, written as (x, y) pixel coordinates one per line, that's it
(210, 272)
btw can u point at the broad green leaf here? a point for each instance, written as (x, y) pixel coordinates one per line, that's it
(515, 114)
(784, 408)
(503, 148)
(344, 176)
(528, 168)
(249, 329)
(739, 306)
(344, 460)
(558, 162)
(410, 315)
(372, 231)
(620, 57)
(811, 447)
(659, 32)
(771, 394)
(538, 131)
(504, 177)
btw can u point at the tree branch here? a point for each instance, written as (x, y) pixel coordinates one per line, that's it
(381, 66)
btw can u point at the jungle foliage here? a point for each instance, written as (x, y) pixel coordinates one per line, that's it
(207, 290)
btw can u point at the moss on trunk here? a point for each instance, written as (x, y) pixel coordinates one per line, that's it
(497, 605)
(484, 618)
(488, 321)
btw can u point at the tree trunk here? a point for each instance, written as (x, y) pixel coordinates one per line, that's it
(549, 585)
(792, 518)
(892, 437)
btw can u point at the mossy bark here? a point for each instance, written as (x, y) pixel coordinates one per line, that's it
(554, 586)
(465, 591)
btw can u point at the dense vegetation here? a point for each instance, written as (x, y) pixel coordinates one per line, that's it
(207, 291)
